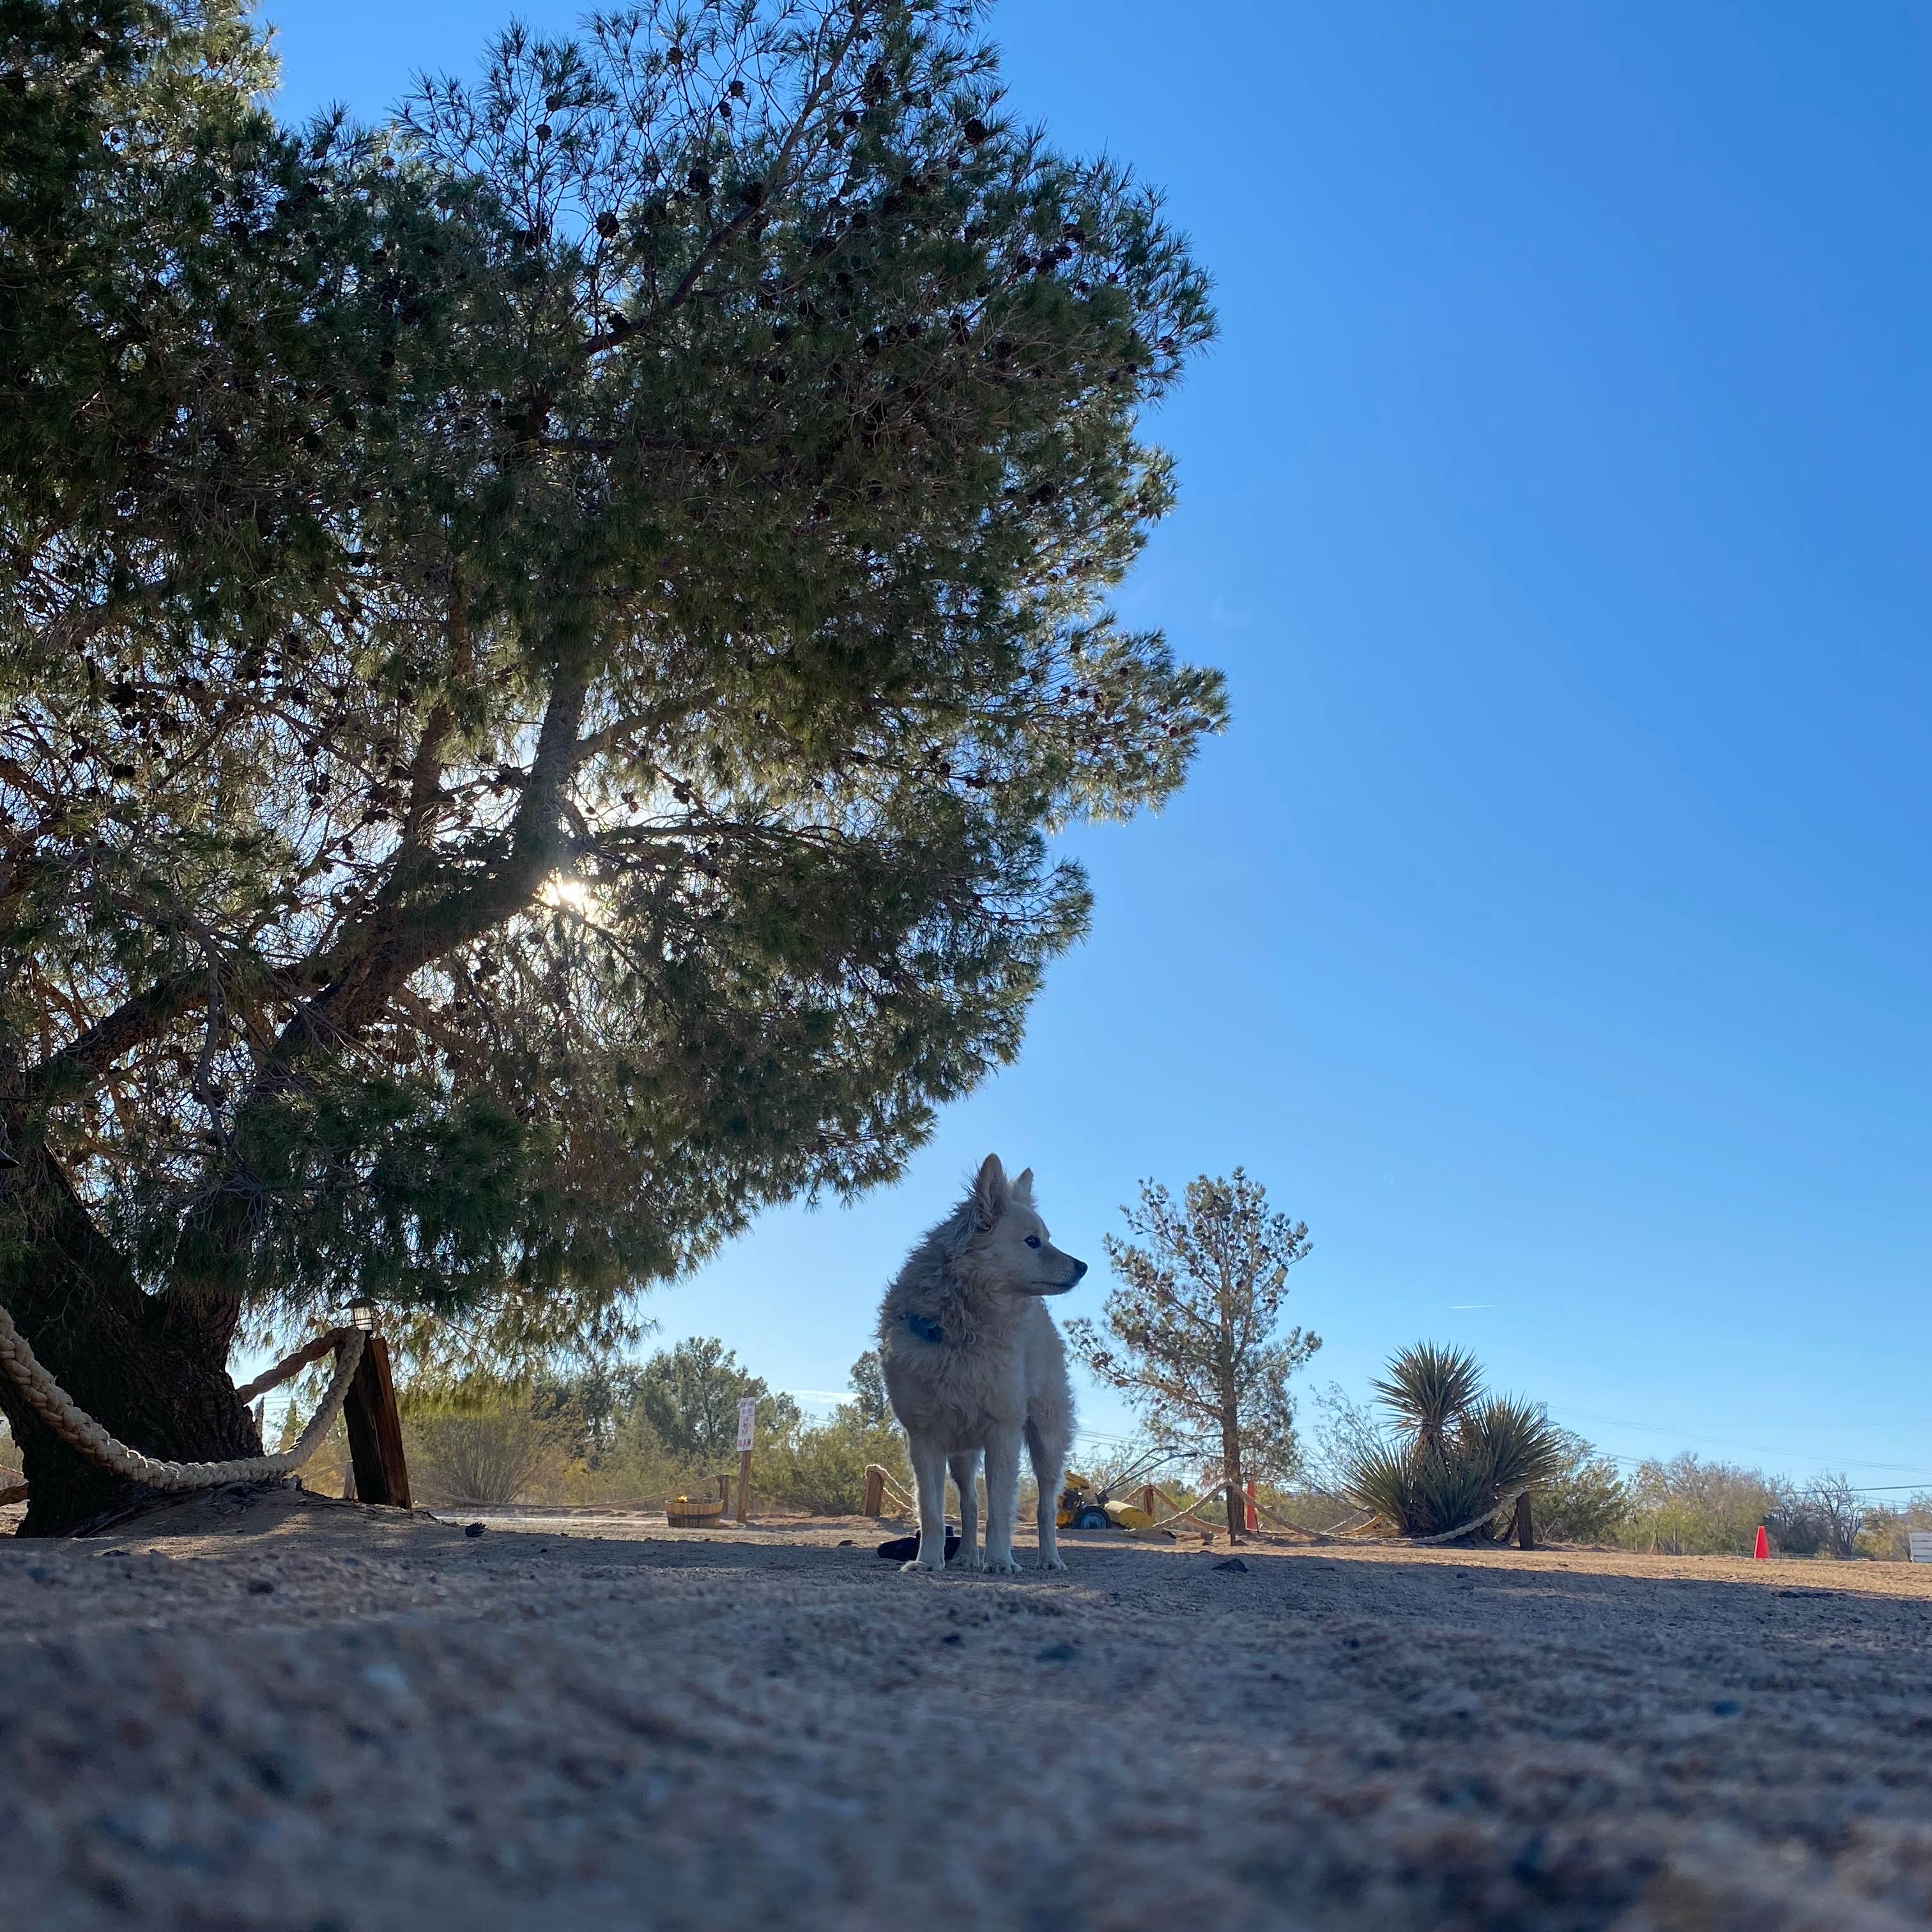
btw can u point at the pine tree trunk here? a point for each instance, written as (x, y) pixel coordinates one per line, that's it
(1231, 1468)
(153, 1369)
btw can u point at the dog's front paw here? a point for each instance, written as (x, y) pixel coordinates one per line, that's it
(1000, 1566)
(933, 1569)
(975, 1562)
(1055, 1562)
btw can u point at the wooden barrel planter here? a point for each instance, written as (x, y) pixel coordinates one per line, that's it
(683, 1513)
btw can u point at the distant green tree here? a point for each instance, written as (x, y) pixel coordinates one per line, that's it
(540, 648)
(1888, 1527)
(687, 1398)
(1689, 1506)
(1583, 1499)
(1192, 1336)
(870, 1404)
(1840, 1511)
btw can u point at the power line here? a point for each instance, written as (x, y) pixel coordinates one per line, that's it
(1749, 1448)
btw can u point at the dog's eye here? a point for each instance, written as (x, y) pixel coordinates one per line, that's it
(1032, 1240)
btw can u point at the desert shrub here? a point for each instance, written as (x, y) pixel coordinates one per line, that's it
(1887, 1526)
(821, 1468)
(489, 1453)
(1688, 1507)
(619, 1434)
(632, 1434)
(1310, 1507)
(636, 1472)
(1342, 1431)
(1455, 1450)
(1585, 1500)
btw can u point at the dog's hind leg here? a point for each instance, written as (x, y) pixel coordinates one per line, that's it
(965, 1477)
(1047, 1451)
(1003, 1489)
(928, 1469)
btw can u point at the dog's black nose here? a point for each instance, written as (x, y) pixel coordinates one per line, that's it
(1079, 1269)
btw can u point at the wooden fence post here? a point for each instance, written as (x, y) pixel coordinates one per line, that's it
(724, 1493)
(375, 1429)
(744, 1483)
(874, 1504)
(1525, 1530)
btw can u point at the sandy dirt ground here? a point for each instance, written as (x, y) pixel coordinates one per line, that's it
(264, 1712)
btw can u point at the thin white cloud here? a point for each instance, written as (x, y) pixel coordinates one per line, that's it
(1458, 1307)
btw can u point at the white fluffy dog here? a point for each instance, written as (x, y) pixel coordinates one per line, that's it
(974, 1363)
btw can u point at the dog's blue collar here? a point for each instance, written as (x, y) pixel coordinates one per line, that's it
(925, 1327)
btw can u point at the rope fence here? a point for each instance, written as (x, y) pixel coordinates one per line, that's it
(881, 1486)
(1338, 1534)
(82, 1433)
(879, 1477)
(328, 1341)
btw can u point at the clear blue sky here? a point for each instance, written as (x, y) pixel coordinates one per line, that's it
(1551, 931)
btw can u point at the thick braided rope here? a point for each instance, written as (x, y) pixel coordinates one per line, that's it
(79, 1431)
(892, 1488)
(310, 1351)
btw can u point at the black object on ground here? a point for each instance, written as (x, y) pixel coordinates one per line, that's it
(472, 1529)
(904, 1549)
(1230, 1563)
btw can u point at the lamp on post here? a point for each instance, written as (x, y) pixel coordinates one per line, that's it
(375, 1427)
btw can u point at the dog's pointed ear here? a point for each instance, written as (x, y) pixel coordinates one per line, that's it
(990, 1191)
(1022, 1186)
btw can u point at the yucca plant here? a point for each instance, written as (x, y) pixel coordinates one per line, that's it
(1514, 1440)
(1430, 1389)
(1456, 1453)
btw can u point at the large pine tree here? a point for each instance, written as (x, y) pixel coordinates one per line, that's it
(543, 644)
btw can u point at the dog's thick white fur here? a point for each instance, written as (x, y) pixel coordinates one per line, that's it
(974, 1365)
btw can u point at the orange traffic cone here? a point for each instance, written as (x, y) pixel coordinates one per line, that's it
(1762, 1551)
(1254, 1522)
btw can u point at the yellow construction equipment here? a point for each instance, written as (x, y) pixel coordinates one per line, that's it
(1082, 1506)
